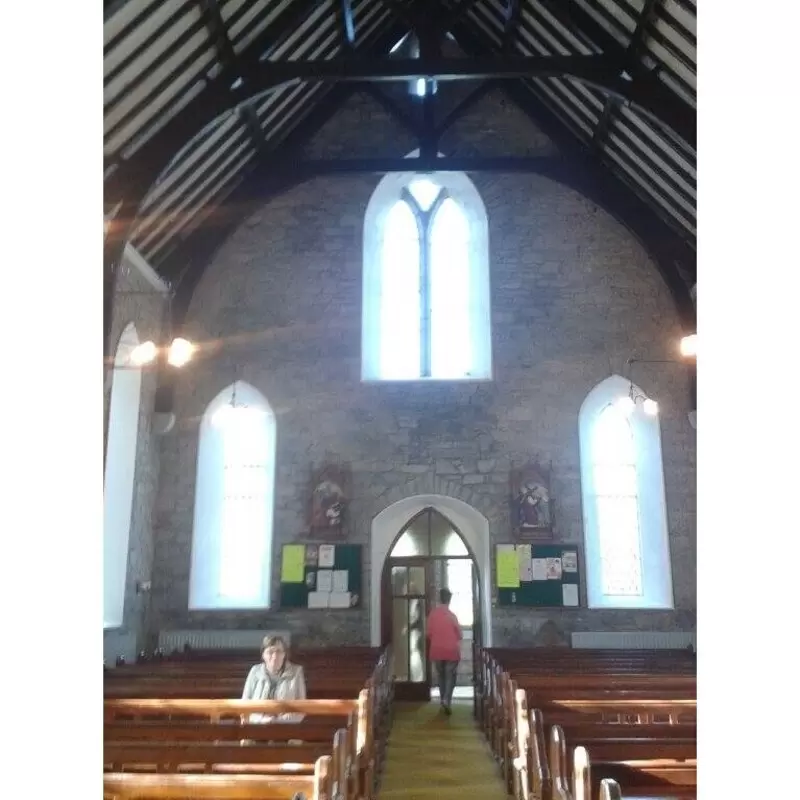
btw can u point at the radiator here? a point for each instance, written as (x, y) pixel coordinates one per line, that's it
(170, 641)
(635, 640)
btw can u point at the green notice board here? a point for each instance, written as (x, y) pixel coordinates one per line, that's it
(321, 576)
(542, 575)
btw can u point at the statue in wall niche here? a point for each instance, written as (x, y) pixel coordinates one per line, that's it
(330, 489)
(531, 505)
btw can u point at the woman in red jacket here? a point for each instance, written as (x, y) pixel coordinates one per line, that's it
(444, 647)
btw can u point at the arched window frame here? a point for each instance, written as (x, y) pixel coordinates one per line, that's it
(120, 473)
(205, 591)
(655, 561)
(461, 190)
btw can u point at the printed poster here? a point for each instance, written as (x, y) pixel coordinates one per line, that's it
(570, 594)
(554, 569)
(525, 562)
(324, 580)
(327, 555)
(341, 580)
(293, 566)
(539, 569)
(569, 561)
(507, 567)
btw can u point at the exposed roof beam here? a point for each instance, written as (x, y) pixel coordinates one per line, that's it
(137, 174)
(399, 114)
(219, 33)
(631, 61)
(273, 174)
(458, 13)
(230, 61)
(512, 14)
(379, 165)
(465, 104)
(674, 258)
(676, 114)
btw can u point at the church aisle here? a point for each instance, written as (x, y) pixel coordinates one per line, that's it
(431, 756)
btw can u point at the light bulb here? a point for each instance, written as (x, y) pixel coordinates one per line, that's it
(180, 352)
(143, 353)
(650, 407)
(626, 405)
(689, 346)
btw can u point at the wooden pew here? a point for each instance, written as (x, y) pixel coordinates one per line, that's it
(535, 743)
(640, 767)
(618, 697)
(166, 728)
(587, 668)
(221, 787)
(622, 708)
(609, 673)
(216, 724)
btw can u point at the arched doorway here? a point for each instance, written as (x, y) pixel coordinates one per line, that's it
(428, 554)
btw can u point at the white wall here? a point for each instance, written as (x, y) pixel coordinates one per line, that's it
(474, 527)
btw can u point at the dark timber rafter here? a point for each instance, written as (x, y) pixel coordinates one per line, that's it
(399, 114)
(230, 62)
(135, 176)
(512, 14)
(249, 74)
(130, 179)
(465, 104)
(674, 258)
(631, 62)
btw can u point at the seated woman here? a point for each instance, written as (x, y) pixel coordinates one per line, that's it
(275, 678)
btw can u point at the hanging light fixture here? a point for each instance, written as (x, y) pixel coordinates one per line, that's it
(142, 354)
(688, 346)
(180, 352)
(627, 404)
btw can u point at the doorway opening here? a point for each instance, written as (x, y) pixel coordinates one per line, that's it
(429, 554)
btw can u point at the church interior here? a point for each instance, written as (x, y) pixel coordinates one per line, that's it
(399, 303)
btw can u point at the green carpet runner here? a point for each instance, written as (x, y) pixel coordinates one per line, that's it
(433, 756)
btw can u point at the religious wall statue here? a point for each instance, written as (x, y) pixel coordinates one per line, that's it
(329, 498)
(531, 505)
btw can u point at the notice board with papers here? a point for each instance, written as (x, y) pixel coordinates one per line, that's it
(321, 576)
(541, 575)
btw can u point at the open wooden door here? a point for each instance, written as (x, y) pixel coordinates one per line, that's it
(477, 635)
(428, 555)
(408, 600)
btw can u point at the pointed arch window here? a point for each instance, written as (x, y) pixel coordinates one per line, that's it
(232, 537)
(120, 468)
(426, 280)
(624, 507)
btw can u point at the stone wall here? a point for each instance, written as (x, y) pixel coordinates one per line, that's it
(138, 301)
(573, 297)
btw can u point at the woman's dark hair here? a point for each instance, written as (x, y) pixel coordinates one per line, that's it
(445, 596)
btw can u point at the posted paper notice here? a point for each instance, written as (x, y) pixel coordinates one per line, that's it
(327, 555)
(554, 569)
(324, 580)
(569, 561)
(507, 567)
(570, 594)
